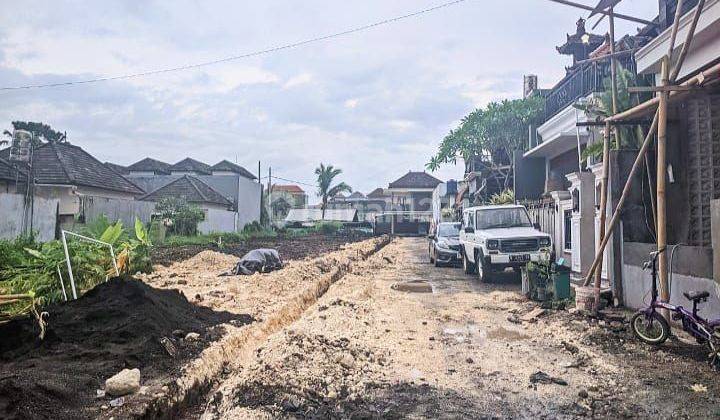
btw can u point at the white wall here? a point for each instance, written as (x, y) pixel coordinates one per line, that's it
(248, 205)
(11, 212)
(217, 220)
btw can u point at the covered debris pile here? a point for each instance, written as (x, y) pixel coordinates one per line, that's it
(116, 325)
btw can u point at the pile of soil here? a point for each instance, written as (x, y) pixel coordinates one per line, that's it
(290, 248)
(116, 325)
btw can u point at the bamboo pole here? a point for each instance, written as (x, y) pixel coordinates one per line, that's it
(676, 25)
(699, 79)
(603, 209)
(661, 182)
(626, 190)
(688, 40)
(613, 77)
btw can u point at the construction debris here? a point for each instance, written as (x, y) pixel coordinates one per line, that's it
(127, 381)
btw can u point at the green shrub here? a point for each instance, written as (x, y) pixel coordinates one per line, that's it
(328, 228)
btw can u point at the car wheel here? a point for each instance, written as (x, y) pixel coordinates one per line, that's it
(468, 267)
(483, 269)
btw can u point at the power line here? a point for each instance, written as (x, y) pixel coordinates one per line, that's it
(238, 57)
(290, 180)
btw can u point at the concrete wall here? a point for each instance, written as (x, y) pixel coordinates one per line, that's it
(248, 205)
(93, 207)
(44, 216)
(217, 220)
(692, 270)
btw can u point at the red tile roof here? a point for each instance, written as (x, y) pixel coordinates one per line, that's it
(287, 188)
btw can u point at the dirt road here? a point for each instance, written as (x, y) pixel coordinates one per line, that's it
(365, 350)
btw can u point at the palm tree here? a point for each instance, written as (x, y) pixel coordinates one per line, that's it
(325, 176)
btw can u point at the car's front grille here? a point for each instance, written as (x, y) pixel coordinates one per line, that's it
(455, 247)
(519, 245)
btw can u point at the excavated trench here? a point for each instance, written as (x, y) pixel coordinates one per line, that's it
(239, 344)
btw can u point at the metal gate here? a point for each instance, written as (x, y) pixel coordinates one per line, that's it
(542, 212)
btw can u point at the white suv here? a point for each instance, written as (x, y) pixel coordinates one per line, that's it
(493, 238)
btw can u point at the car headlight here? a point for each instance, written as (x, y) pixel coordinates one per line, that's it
(544, 241)
(492, 244)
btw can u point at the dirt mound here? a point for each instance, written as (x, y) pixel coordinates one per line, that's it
(116, 325)
(290, 248)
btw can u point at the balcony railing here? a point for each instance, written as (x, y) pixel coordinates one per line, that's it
(580, 83)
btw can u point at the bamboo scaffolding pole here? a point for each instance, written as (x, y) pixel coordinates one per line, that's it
(660, 182)
(618, 15)
(613, 79)
(700, 79)
(659, 124)
(618, 209)
(20, 296)
(603, 210)
(688, 38)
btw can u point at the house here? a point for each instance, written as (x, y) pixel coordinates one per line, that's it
(443, 201)
(412, 192)
(69, 174)
(310, 216)
(148, 167)
(367, 206)
(693, 166)
(219, 216)
(12, 177)
(189, 166)
(286, 197)
(235, 183)
(552, 171)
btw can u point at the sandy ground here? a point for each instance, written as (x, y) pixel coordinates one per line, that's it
(365, 350)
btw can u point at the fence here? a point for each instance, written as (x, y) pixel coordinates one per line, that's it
(44, 216)
(542, 212)
(116, 209)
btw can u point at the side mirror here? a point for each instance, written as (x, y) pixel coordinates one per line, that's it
(431, 236)
(469, 229)
(537, 226)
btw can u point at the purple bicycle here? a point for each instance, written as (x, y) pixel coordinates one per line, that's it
(652, 328)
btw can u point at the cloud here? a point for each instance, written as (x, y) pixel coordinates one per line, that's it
(374, 103)
(298, 80)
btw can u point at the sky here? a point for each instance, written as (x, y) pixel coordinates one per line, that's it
(374, 103)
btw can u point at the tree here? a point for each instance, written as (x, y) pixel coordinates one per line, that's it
(325, 176)
(41, 130)
(492, 133)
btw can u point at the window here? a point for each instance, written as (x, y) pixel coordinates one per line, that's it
(448, 229)
(567, 231)
(503, 218)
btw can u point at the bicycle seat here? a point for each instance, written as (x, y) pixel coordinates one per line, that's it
(696, 295)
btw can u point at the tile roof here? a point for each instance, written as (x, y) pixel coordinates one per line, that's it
(287, 188)
(11, 172)
(225, 165)
(66, 164)
(190, 188)
(150, 165)
(415, 180)
(191, 165)
(376, 193)
(117, 168)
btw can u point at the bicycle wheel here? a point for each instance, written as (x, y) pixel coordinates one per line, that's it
(651, 329)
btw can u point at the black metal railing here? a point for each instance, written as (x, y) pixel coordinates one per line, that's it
(587, 79)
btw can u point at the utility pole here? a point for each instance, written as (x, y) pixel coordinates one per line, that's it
(269, 193)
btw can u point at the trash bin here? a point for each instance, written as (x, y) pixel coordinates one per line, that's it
(561, 282)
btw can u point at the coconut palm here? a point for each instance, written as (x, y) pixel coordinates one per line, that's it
(325, 176)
